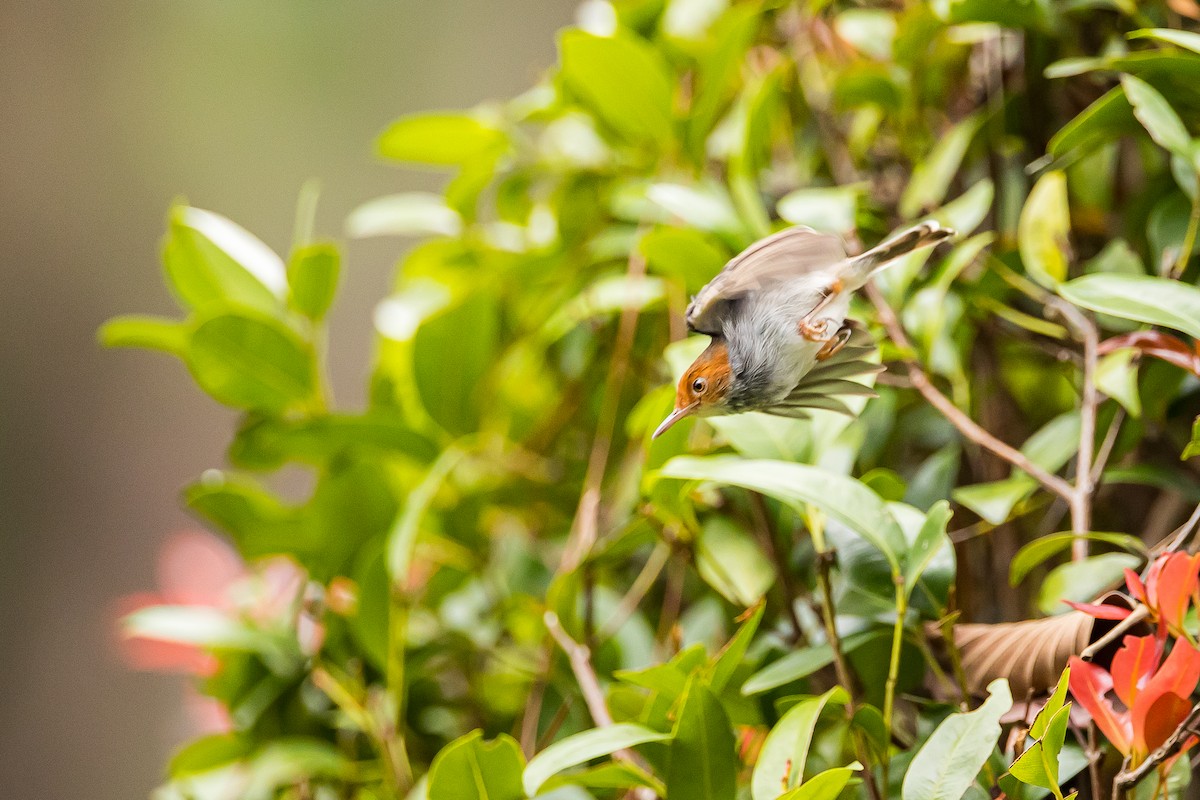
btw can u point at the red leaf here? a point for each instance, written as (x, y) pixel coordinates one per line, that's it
(1178, 675)
(1089, 683)
(1152, 582)
(1161, 720)
(1133, 665)
(1169, 348)
(1135, 586)
(1175, 585)
(1100, 611)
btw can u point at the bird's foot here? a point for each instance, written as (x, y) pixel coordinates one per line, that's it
(815, 331)
(834, 344)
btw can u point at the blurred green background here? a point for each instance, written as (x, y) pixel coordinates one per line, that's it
(109, 112)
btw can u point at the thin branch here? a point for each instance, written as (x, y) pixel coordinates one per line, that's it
(1106, 447)
(1128, 778)
(966, 426)
(585, 528)
(766, 534)
(1178, 536)
(637, 591)
(580, 658)
(1081, 499)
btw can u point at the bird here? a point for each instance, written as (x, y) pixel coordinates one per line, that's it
(776, 315)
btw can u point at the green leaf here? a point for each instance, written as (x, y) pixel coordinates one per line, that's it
(730, 561)
(792, 667)
(1184, 39)
(842, 498)
(1056, 702)
(830, 210)
(404, 214)
(1141, 298)
(827, 785)
(1037, 551)
(1157, 117)
(784, 753)
(1117, 377)
(705, 207)
(726, 663)
(440, 139)
(471, 769)
(930, 540)
(150, 333)
(931, 178)
(1108, 118)
(312, 279)
(702, 760)
(208, 260)
(623, 80)
(946, 765)
(583, 747)
(453, 352)
(1082, 581)
(1043, 230)
(209, 752)
(683, 254)
(250, 361)
(1193, 447)
(1038, 765)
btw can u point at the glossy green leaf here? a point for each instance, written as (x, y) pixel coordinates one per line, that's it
(210, 260)
(1193, 447)
(949, 760)
(251, 362)
(1156, 115)
(1117, 377)
(1046, 547)
(831, 210)
(727, 662)
(1082, 581)
(471, 769)
(1142, 298)
(313, 274)
(583, 747)
(453, 352)
(701, 762)
(731, 561)
(1185, 39)
(440, 139)
(931, 178)
(148, 333)
(1044, 229)
(705, 207)
(1107, 118)
(1039, 765)
(785, 751)
(792, 667)
(930, 540)
(405, 214)
(842, 498)
(827, 785)
(622, 80)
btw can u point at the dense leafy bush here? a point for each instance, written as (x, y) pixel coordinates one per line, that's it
(500, 587)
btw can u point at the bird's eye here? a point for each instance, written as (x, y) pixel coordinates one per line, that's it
(699, 385)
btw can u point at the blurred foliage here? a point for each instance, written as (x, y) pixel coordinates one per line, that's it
(512, 591)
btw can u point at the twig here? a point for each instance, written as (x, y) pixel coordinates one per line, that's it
(1178, 536)
(966, 426)
(585, 528)
(580, 659)
(1139, 613)
(1106, 447)
(1128, 778)
(1080, 500)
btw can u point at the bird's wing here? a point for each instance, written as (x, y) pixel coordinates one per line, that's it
(768, 261)
(829, 379)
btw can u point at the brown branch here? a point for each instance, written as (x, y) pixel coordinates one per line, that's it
(766, 535)
(1128, 778)
(1080, 501)
(585, 528)
(966, 426)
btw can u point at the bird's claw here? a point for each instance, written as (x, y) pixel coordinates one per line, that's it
(814, 331)
(834, 344)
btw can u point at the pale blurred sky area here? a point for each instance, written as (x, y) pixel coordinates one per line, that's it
(108, 112)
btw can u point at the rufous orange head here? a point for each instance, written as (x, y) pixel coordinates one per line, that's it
(704, 388)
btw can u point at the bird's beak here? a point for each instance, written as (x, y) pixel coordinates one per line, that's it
(674, 417)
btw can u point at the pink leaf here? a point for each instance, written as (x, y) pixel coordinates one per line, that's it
(1089, 683)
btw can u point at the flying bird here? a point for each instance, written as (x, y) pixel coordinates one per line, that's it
(777, 317)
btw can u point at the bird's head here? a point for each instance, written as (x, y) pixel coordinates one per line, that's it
(704, 388)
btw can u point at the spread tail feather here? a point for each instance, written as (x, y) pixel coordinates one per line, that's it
(880, 256)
